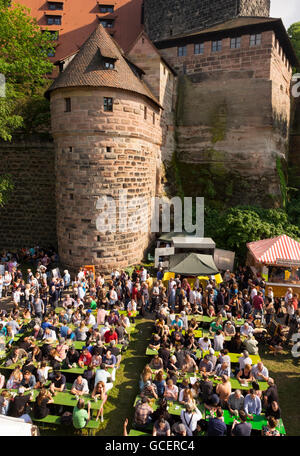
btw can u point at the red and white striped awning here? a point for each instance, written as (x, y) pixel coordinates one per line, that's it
(282, 251)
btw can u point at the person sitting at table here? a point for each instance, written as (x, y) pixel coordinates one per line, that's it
(189, 365)
(260, 372)
(186, 397)
(5, 398)
(270, 394)
(223, 390)
(177, 322)
(222, 369)
(171, 391)
(81, 332)
(40, 409)
(251, 345)
(242, 429)
(80, 386)
(245, 375)
(172, 365)
(28, 380)
(204, 344)
(99, 393)
(16, 355)
(15, 379)
(161, 428)
(110, 335)
(42, 374)
(18, 406)
(211, 311)
(110, 361)
(149, 390)
(145, 376)
(160, 383)
(103, 375)
(143, 412)
(246, 330)
(216, 426)
(80, 416)
(177, 338)
(49, 336)
(270, 430)
(154, 342)
(58, 382)
(156, 363)
(72, 358)
(189, 418)
(193, 324)
(244, 359)
(235, 402)
(206, 365)
(274, 410)
(216, 326)
(164, 354)
(218, 340)
(85, 358)
(235, 345)
(252, 404)
(229, 329)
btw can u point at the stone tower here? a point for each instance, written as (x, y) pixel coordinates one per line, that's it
(106, 128)
(166, 18)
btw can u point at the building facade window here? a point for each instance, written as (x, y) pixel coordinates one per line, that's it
(199, 48)
(145, 113)
(109, 65)
(53, 20)
(68, 105)
(106, 8)
(235, 43)
(182, 52)
(153, 119)
(107, 23)
(255, 40)
(55, 5)
(216, 46)
(108, 104)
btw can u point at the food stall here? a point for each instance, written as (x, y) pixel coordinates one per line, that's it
(277, 260)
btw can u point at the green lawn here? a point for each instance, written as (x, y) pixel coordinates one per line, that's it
(286, 372)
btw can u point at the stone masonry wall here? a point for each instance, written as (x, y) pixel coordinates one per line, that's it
(110, 151)
(165, 18)
(29, 217)
(230, 121)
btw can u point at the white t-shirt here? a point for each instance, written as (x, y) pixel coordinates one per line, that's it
(204, 346)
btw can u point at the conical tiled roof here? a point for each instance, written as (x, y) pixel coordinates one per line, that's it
(87, 67)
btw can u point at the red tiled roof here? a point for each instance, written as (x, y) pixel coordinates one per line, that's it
(87, 67)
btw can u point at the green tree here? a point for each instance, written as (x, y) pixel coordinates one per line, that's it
(235, 227)
(24, 64)
(294, 34)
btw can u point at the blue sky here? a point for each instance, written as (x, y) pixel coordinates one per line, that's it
(288, 10)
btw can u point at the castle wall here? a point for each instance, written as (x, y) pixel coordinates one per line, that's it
(90, 171)
(230, 119)
(162, 82)
(165, 18)
(29, 217)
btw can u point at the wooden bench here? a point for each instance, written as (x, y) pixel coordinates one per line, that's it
(56, 421)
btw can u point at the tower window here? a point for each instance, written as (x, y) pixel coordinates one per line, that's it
(53, 20)
(108, 104)
(55, 5)
(108, 149)
(182, 52)
(109, 65)
(107, 23)
(255, 40)
(145, 113)
(235, 43)
(216, 46)
(153, 118)
(199, 48)
(67, 104)
(71, 196)
(106, 8)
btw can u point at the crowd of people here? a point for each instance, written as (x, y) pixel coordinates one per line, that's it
(99, 311)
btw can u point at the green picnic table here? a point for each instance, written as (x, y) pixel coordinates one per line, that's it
(174, 407)
(258, 422)
(65, 398)
(135, 433)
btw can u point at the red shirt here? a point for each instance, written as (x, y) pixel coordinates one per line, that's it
(258, 302)
(86, 358)
(108, 337)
